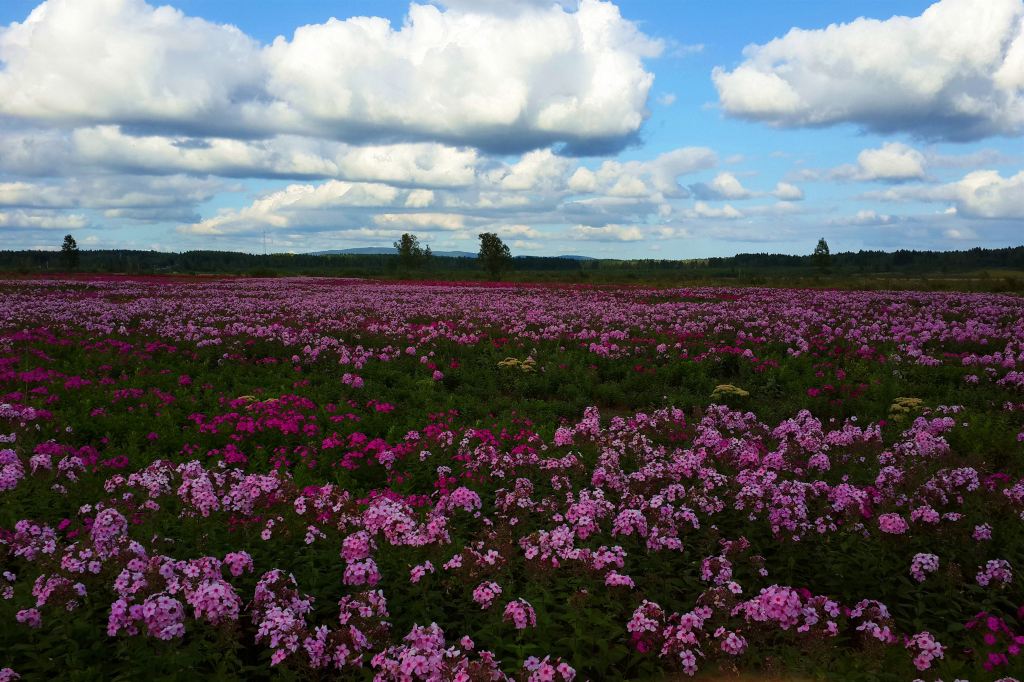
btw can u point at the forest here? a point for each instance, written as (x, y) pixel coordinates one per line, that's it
(976, 268)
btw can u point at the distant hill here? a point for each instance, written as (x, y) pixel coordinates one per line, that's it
(383, 250)
(573, 257)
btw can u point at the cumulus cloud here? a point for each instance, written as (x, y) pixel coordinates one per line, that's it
(702, 209)
(124, 61)
(864, 217)
(960, 234)
(724, 186)
(986, 194)
(111, 192)
(501, 7)
(659, 175)
(787, 192)
(892, 162)
(421, 221)
(598, 211)
(505, 81)
(982, 158)
(305, 206)
(41, 220)
(980, 194)
(286, 156)
(607, 233)
(521, 231)
(537, 170)
(955, 72)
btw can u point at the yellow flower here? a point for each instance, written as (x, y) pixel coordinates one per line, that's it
(526, 365)
(728, 389)
(903, 406)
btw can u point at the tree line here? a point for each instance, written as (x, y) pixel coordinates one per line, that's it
(494, 260)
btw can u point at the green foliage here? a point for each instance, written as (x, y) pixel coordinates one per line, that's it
(494, 255)
(577, 616)
(971, 270)
(821, 256)
(411, 255)
(69, 252)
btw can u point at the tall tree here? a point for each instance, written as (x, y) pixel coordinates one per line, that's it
(410, 254)
(69, 253)
(494, 254)
(821, 256)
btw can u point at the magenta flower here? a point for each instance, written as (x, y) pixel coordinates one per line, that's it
(521, 614)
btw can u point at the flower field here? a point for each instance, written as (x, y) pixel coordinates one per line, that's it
(309, 478)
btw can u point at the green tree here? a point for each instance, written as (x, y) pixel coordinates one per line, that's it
(410, 254)
(821, 256)
(69, 253)
(494, 254)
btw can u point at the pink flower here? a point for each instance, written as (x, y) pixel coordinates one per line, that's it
(733, 644)
(893, 524)
(995, 571)
(484, 594)
(30, 617)
(928, 649)
(417, 572)
(521, 614)
(361, 573)
(238, 562)
(922, 565)
(216, 601)
(616, 579)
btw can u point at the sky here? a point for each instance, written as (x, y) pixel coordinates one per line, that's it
(630, 129)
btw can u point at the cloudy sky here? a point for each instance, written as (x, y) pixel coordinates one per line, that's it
(639, 129)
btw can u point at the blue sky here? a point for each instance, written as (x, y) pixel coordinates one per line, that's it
(638, 129)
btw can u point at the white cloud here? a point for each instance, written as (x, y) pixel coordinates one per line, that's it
(421, 221)
(960, 234)
(892, 162)
(583, 180)
(629, 186)
(503, 81)
(864, 217)
(980, 194)
(109, 148)
(981, 158)
(607, 233)
(642, 178)
(954, 72)
(301, 206)
(546, 75)
(501, 7)
(41, 220)
(111, 192)
(125, 61)
(724, 186)
(287, 156)
(704, 210)
(787, 192)
(986, 194)
(670, 232)
(419, 198)
(510, 231)
(525, 245)
(665, 169)
(537, 170)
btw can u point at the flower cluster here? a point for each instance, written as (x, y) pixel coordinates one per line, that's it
(922, 565)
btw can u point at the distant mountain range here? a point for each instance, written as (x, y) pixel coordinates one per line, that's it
(383, 250)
